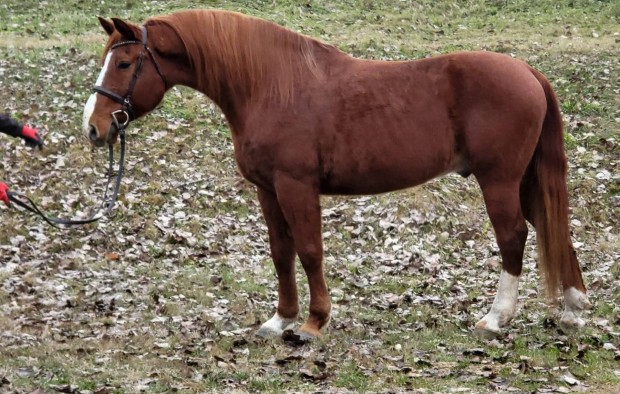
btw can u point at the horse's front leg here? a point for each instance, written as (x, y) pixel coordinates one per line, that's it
(301, 208)
(283, 255)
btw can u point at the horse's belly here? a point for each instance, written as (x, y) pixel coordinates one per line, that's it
(392, 142)
(385, 174)
(349, 188)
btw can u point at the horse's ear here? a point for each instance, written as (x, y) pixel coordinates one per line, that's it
(127, 30)
(107, 25)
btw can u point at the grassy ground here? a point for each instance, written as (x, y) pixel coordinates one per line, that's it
(165, 295)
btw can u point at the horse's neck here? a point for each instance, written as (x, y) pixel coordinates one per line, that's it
(265, 62)
(243, 70)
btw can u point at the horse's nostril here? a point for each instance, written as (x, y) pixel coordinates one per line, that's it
(92, 133)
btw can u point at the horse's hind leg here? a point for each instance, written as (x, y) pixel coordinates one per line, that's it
(283, 255)
(504, 209)
(575, 299)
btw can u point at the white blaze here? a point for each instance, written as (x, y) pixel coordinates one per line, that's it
(89, 108)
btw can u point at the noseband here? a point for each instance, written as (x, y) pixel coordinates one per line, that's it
(127, 110)
(125, 101)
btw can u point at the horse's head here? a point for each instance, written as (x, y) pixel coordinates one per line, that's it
(130, 84)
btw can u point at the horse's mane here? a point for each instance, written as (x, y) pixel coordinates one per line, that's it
(244, 51)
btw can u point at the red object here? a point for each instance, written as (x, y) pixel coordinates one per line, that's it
(31, 136)
(4, 196)
(29, 132)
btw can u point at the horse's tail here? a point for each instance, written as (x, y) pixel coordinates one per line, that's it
(545, 190)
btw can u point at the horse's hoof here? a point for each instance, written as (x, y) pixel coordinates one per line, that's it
(297, 338)
(575, 303)
(570, 322)
(306, 337)
(486, 332)
(267, 332)
(275, 326)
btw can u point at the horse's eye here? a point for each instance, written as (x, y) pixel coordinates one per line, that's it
(124, 65)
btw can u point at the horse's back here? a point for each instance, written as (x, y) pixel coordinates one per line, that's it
(399, 124)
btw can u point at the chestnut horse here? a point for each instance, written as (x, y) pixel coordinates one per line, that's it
(307, 119)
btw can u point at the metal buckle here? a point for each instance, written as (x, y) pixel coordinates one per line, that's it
(116, 122)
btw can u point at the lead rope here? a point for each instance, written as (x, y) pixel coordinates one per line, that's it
(29, 205)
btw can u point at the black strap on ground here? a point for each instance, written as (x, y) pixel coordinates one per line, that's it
(29, 205)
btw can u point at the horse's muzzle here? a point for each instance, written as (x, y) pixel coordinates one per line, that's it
(92, 133)
(112, 135)
(93, 136)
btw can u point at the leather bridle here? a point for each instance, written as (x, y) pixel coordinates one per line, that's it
(125, 101)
